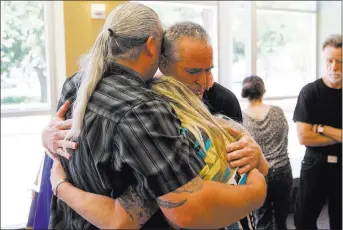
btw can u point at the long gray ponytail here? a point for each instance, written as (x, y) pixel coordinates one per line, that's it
(124, 33)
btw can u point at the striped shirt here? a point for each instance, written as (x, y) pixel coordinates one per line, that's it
(130, 137)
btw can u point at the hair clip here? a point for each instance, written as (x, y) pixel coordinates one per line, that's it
(111, 32)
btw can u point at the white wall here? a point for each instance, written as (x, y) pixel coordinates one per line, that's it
(329, 22)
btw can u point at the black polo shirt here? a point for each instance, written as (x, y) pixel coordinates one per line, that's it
(130, 137)
(221, 100)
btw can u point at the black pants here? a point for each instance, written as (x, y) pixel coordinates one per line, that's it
(276, 207)
(319, 181)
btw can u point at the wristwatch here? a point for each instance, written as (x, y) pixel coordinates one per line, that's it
(320, 129)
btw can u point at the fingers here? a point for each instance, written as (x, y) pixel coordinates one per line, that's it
(245, 169)
(57, 161)
(63, 153)
(233, 131)
(59, 135)
(62, 110)
(240, 162)
(50, 154)
(63, 125)
(236, 146)
(66, 144)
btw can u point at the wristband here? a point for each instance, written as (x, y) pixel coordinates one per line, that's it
(54, 190)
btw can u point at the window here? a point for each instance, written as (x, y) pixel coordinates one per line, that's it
(282, 49)
(286, 51)
(288, 5)
(203, 13)
(28, 98)
(278, 43)
(239, 63)
(24, 77)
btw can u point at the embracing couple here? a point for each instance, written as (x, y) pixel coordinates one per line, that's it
(132, 151)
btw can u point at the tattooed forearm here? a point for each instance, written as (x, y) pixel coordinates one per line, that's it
(138, 208)
(191, 187)
(169, 204)
(194, 185)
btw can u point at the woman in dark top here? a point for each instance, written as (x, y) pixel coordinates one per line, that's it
(269, 127)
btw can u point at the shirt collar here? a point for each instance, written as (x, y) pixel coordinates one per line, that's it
(118, 69)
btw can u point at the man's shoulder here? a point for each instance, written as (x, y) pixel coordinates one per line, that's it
(310, 88)
(154, 107)
(71, 83)
(69, 90)
(115, 98)
(224, 92)
(222, 100)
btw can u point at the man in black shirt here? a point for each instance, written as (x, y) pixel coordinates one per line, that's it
(221, 100)
(318, 115)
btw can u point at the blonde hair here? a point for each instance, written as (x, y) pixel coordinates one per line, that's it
(123, 35)
(194, 115)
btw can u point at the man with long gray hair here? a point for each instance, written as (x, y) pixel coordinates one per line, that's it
(125, 131)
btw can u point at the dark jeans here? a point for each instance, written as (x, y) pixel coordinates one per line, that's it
(319, 181)
(276, 207)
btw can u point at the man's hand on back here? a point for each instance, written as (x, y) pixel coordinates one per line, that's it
(245, 154)
(53, 135)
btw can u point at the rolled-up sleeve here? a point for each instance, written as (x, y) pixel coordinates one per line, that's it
(148, 139)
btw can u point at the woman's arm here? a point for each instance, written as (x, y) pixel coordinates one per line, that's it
(129, 211)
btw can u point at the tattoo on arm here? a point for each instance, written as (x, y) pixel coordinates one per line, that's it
(169, 204)
(139, 209)
(191, 187)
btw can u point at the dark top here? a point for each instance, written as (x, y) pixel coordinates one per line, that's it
(319, 104)
(130, 137)
(271, 133)
(221, 100)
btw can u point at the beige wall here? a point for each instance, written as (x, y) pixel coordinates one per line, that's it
(81, 30)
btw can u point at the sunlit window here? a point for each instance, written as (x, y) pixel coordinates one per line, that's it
(24, 78)
(286, 51)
